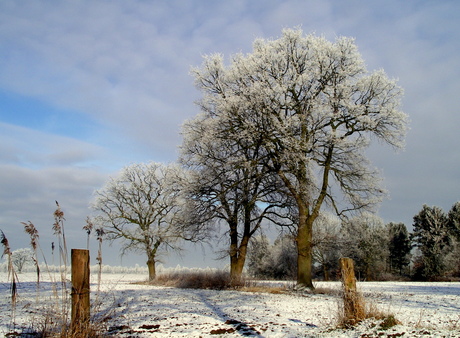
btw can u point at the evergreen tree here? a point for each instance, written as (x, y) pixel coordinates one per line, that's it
(454, 220)
(399, 247)
(431, 236)
(453, 259)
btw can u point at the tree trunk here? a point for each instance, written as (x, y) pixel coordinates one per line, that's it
(237, 264)
(326, 273)
(304, 249)
(236, 270)
(369, 275)
(237, 260)
(237, 254)
(151, 254)
(151, 266)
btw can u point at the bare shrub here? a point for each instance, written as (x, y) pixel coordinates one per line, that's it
(216, 280)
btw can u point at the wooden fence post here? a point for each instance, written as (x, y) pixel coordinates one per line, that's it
(80, 290)
(353, 304)
(348, 274)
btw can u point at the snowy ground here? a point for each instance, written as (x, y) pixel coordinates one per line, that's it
(132, 310)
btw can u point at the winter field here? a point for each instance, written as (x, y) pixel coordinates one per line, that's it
(127, 309)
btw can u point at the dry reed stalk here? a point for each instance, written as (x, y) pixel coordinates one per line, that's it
(11, 274)
(30, 229)
(59, 231)
(88, 228)
(100, 235)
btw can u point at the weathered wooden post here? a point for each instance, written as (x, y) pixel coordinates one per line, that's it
(353, 304)
(348, 274)
(80, 290)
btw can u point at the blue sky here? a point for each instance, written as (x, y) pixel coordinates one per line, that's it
(88, 87)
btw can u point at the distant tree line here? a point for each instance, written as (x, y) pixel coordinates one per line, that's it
(380, 251)
(431, 251)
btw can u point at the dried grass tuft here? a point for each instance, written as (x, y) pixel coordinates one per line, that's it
(265, 289)
(352, 309)
(389, 321)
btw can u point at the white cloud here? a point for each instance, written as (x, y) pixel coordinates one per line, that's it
(28, 147)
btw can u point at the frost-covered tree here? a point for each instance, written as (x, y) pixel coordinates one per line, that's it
(399, 247)
(454, 220)
(230, 186)
(431, 236)
(21, 258)
(284, 255)
(366, 242)
(327, 243)
(142, 207)
(315, 107)
(259, 257)
(273, 261)
(453, 259)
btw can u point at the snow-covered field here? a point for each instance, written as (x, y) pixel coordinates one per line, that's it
(133, 310)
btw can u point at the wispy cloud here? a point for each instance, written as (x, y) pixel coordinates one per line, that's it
(32, 148)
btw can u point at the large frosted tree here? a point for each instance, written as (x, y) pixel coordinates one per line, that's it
(315, 107)
(142, 207)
